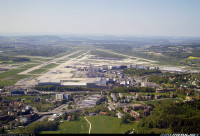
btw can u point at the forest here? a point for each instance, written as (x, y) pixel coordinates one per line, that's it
(132, 89)
(4, 59)
(36, 127)
(175, 117)
(62, 88)
(141, 72)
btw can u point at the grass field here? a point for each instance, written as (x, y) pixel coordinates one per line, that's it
(10, 77)
(108, 125)
(76, 55)
(72, 127)
(63, 54)
(100, 125)
(37, 71)
(15, 78)
(52, 65)
(29, 66)
(10, 73)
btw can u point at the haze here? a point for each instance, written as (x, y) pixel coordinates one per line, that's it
(118, 17)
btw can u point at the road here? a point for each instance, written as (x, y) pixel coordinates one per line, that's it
(89, 123)
(54, 111)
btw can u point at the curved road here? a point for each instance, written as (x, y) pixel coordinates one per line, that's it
(90, 124)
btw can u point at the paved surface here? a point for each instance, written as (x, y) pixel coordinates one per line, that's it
(89, 123)
(47, 63)
(128, 56)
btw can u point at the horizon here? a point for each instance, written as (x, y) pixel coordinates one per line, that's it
(91, 35)
(94, 17)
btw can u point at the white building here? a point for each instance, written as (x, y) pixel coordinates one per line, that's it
(62, 96)
(111, 108)
(172, 69)
(49, 82)
(23, 120)
(114, 97)
(120, 95)
(119, 115)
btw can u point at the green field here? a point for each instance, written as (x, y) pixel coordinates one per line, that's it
(10, 73)
(37, 71)
(10, 77)
(63, 54)
(76, 55)
(29, 66)
(100, 125)
(15, 78)
(108, 125)
(52, 65)
(71, 127)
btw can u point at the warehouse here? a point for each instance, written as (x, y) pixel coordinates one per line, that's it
(172, 69)
(49, 82)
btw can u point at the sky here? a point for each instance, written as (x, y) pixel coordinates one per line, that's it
(113, 17)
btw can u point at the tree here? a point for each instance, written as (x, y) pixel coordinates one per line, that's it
(69, 106)
(65, 116)
(2, 130)
(124, 119)
(63, 101)
(74, 116)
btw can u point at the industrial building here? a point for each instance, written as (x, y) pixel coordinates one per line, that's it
(62, 96)
(90, 83)
(49, 82)
(172, 69)
(91, 101)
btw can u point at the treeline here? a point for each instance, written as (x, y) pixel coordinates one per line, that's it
(36, 127)
(141, 72)
(132, 89)
(62, 88)
(47, 52)
(158, 79)
(175, 79)
(175, 117)
(20, 59)
(14, 59)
